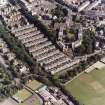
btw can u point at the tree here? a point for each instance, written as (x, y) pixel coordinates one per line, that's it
(89, 41)
(65, 11)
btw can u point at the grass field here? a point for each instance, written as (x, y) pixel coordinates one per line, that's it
(23, 94)
(89, 89)
(32, 101)
(34, 85)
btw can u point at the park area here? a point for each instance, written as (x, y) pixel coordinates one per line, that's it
(89, 88)
(34, 100)
(34, 85)
(22, 95)
(27, 95)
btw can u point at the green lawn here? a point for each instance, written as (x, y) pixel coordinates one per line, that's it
(34, 85)
(32, 101)
(23, 94)
(89, 89)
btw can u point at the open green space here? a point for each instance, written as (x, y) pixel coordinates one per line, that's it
(34, 100)
(34, 85)
(23, 94)
(89, 89)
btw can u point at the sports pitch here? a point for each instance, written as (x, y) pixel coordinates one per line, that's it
(89, 89)
(23, 94)
(34, 100)
(34, 85)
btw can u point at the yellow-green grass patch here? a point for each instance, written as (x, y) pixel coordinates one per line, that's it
(89, 89)
(34, 85)
(34, 100)
(23, 94)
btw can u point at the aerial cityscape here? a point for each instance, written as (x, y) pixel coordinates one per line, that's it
(52, 52)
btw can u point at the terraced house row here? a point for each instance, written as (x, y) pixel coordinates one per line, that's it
(51, 58)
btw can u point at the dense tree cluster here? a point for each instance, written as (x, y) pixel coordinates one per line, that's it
(7, 86)
(88, 44)
(60, 12)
